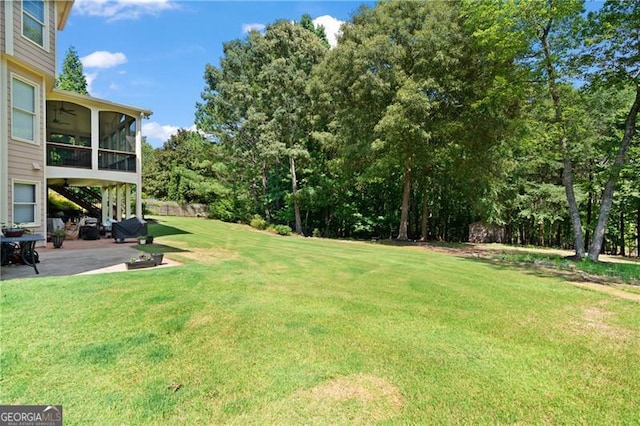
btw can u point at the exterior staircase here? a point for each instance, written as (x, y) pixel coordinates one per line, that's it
(86, 198)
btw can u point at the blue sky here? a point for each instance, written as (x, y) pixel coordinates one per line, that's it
(152, 53)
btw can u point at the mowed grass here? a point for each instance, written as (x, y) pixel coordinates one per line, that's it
(256, 328)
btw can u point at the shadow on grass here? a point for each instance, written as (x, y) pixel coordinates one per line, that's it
(159, 248)
(568, 270)
(158, 230)
(427, 244)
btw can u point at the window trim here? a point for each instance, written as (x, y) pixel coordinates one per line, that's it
(37, 204)
(35, 115)
(45, 26)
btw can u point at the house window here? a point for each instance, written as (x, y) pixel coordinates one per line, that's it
(33, 20)
(23, 103)
(25, 204)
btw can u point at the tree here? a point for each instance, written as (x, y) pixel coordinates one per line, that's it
(256, 105)
(547, 27)
(614, 48)
(410, 85)
(307, 23)
(72, 77)
(186, 169)
(553, 34)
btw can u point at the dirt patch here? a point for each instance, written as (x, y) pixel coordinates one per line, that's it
(613, 290)
(199, 320)
(206, 255)
(594, 321)
(356, 399)
(360, 387)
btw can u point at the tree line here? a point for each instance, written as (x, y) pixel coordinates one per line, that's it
(427, 116)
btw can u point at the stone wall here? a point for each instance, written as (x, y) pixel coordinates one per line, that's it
(171, 208)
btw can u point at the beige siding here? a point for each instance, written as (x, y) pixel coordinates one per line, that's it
(42, 59)
(3, 47)
(26, 159)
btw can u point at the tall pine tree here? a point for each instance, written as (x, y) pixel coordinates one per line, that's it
(72, 77)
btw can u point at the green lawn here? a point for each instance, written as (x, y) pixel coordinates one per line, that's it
(261, 329)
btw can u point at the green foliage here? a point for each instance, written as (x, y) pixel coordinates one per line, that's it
(222, 209)
(58, 203)
(72, 77)
(307, 23)
(613, 60)
(258, 222)
(261, 83)
(426, 117)
(406, 103)
(188, 169)
(280, 229)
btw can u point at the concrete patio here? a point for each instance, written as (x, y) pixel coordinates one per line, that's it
(78, 257)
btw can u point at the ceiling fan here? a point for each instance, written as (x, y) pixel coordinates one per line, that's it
(63, 110)
(55, 118)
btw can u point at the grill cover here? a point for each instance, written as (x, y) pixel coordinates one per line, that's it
(129, 228)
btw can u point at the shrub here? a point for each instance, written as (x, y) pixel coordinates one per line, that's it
(280, 229)
(221, 209)
(258, 222)
(316, 233)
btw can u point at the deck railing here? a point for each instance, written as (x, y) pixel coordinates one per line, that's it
(120, 161)
(63, 155)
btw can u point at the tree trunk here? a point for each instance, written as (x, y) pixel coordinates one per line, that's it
(541, 234)
(294, 191)
(638, 230)
(567, 179)
(404, 211)
(265, 195)
(623, 251)
(567, 169)
(424, 222)
(327, 222)
(607, 195)
(589, 210)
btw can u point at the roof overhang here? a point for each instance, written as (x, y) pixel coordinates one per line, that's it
(63, 8)
(86, 100)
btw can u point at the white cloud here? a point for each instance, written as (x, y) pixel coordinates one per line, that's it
(331, 27)
(90, 77)
(158, 134)
(103, 59)
(247, 28)
(123, 9)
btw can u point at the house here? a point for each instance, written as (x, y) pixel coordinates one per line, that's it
(85, 148)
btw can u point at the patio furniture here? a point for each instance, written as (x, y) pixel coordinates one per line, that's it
(89, 229)
(106, 227)
(129, 228)
(23, 247)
